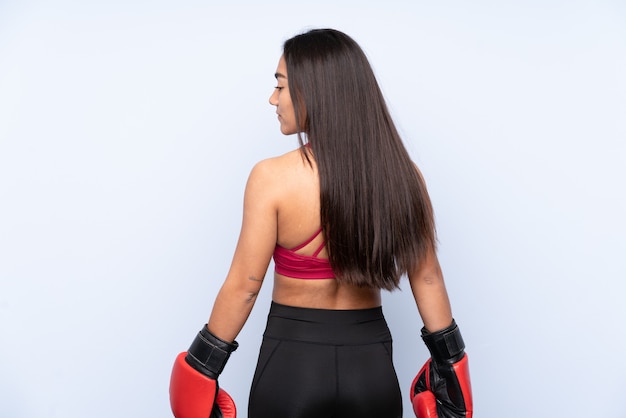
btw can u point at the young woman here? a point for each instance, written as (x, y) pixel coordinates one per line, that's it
(344, 217)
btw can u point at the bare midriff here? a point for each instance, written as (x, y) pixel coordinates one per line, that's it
(323, 294)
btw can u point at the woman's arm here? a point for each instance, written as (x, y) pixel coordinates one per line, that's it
(252, 255)
(442, 387)
(430, 293)
(194, 391)
(429, 289)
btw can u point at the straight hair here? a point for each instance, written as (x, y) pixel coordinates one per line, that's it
(376, 216)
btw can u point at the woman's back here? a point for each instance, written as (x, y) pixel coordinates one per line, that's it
(344, 216)
(294, 185)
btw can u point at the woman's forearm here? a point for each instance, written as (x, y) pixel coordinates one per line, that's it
(431, 297)
(231, 309)
(433, 304)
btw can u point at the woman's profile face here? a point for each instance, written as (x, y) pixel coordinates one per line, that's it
(282, 100)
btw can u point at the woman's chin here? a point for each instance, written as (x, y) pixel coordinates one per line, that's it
(287, 131)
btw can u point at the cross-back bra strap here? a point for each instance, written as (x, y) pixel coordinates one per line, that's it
(319, 249)
(308, 241)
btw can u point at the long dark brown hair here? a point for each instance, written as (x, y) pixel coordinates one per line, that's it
(376, 215)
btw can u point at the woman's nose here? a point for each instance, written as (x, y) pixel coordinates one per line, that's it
(273, 98)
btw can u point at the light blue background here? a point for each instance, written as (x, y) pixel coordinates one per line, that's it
(128, 129)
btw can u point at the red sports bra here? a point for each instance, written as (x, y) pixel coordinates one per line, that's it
(298, 266)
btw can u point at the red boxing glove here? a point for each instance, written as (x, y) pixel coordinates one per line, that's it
(194, 391)
(442, 388)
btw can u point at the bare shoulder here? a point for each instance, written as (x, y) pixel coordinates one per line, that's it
(280, 169)
(277, 173)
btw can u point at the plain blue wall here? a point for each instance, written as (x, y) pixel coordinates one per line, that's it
(128, 129)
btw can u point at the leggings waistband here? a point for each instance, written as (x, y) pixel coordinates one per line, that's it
(327, 326)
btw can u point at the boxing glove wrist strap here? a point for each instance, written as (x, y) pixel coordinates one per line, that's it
(208, 354)
(446, 345)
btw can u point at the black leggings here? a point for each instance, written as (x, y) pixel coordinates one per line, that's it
(325, 363)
